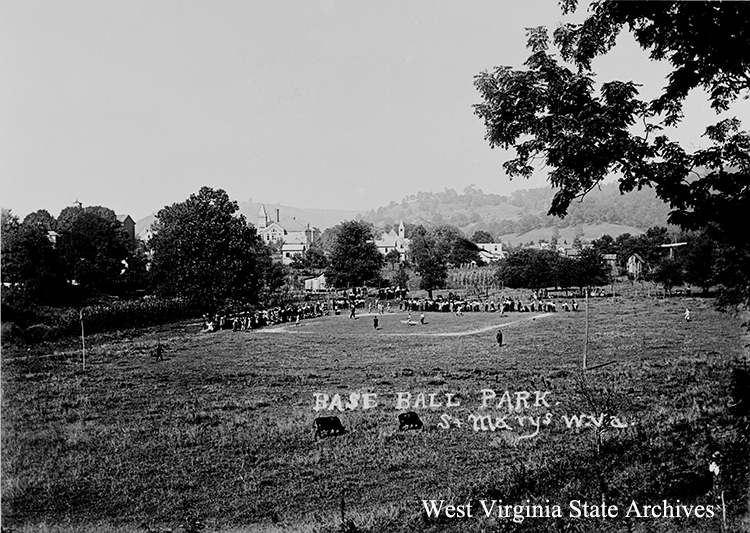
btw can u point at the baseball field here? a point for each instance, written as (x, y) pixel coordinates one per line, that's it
(219, 435)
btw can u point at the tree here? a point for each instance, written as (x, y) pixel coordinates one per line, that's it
(604, 244)
(555, 237)
(92, 245)
(206, 252)
(482, 236)
(669, 273)
(430, 261)
(401, 279)
(457, 250)
(311, 260)
(591, 269)
(392, 258)
(566, 272)
(529, 268)
(699, 260)
(556, 113)
(41, 219)
(29, 262)
(354, 260)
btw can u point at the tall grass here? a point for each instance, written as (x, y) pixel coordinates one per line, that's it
(219, 435)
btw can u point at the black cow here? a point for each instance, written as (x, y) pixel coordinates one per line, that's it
(409, 420)
(328, 426)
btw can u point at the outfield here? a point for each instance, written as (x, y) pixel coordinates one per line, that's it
(220, 434)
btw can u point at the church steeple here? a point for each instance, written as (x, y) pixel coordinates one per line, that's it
(262, 217)
(401, 229)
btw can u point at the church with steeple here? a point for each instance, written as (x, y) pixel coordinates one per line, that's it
(293, 236)
(394, 241)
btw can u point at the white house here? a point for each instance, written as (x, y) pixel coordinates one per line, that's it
(635, 266)
(491, 251)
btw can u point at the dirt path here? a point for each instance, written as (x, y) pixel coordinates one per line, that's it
(291, 328)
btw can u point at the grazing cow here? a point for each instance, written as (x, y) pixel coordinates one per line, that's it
(328, 426)
(409, 420)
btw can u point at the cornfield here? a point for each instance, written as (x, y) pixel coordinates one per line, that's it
(479, 279)
(53, 324)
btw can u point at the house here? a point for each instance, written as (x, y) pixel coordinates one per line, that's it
(129, 225)
(316, 284)
(394, 241)
(491, 251)
(293, 236)
(635, 266)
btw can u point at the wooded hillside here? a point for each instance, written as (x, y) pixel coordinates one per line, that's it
(524, 211)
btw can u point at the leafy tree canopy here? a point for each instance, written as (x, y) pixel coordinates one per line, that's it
(205, 251)
(41, 219)
(92, 246)
(430, 260)
(553, 111)
(529, 268)
(29, 260)
(311, 260)
(392, 257)
(354, 260)
(482, 236)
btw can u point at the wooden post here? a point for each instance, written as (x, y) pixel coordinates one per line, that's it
(586, 334)
(83, 341)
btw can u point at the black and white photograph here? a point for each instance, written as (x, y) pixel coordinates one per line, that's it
(396, 266)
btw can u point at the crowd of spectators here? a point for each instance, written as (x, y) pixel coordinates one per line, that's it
(263, 317)
(507, 304)
(536, 301)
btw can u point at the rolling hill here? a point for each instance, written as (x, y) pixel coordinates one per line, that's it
(522, 216)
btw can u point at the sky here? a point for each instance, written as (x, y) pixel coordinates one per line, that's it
(327, 104)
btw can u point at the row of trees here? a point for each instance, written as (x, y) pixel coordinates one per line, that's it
(530, 268)
(202, 251)
(61, 260)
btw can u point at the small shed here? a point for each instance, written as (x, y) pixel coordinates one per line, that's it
(316, 284)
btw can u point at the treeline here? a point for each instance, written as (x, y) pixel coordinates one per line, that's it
(67, 260)
(531, 268)
(202, 257)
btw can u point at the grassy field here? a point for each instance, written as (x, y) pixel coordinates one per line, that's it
(219, 435)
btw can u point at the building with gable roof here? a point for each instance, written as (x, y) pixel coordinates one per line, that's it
(394, 241)
(129, 224)
(635, 266)
(294, 236)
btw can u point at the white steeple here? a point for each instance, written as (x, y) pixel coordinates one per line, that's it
(262, 217)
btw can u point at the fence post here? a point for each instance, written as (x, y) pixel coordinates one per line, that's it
(83, 340)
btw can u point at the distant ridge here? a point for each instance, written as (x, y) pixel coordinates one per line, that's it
(522, 216)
